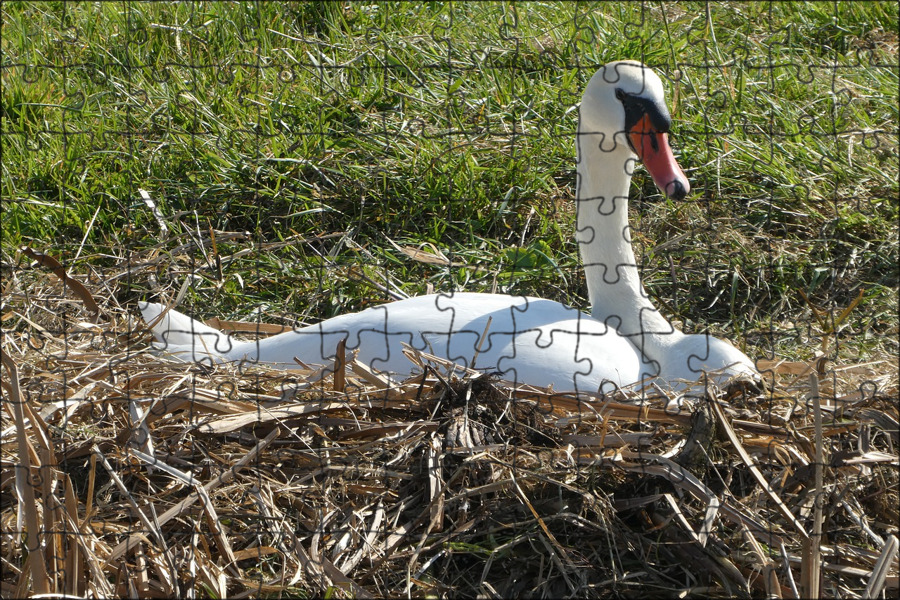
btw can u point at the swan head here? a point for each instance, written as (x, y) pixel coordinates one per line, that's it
(623, 110)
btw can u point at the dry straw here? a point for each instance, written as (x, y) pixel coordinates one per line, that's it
(127, 474)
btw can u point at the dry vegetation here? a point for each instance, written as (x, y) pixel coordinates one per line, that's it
(137, 476)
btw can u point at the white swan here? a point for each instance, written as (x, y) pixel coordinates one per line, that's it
(624, 340)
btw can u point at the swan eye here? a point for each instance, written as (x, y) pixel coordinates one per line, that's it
(636, 107)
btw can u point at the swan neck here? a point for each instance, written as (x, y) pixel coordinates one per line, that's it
(604, 238)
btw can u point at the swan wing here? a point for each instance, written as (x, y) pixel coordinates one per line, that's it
(525, 340)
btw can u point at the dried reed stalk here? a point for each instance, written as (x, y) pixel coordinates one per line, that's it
(338, 480)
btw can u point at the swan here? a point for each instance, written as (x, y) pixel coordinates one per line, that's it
(623, 341)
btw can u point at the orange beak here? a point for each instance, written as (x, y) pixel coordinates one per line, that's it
(653, 149)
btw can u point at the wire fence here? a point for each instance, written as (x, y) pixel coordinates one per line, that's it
(265, 167)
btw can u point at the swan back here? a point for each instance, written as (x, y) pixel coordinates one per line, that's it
(520, 339)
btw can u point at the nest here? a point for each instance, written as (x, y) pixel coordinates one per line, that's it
(125, 473)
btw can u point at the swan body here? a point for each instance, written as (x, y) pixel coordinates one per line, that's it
(527, 340)
(624, 340)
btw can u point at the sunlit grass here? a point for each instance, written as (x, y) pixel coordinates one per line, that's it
(452, 125)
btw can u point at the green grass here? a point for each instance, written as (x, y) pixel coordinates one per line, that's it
(453, 125)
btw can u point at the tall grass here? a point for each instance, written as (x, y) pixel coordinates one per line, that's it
(450, 127)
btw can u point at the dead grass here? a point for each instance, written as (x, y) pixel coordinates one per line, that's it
(127, 474)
